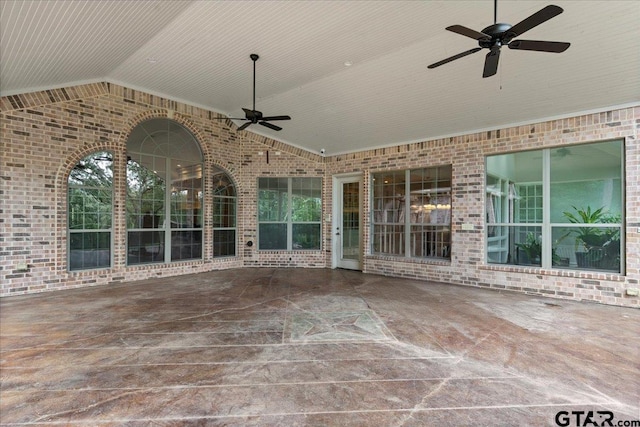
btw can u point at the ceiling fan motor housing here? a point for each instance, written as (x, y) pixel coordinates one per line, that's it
(498, 34)
(257, 116)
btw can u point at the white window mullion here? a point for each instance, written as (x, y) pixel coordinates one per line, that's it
(167, 210)
(623, 258)
(290, 214)
(407, 213)
(547, 241)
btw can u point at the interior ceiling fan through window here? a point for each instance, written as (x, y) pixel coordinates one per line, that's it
(497, 35)
(254, 116)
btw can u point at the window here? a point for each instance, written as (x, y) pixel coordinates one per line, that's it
(289, 213)
(164, 194)
(224, 215)
(412, 213)
(90, 211)
(557, 208)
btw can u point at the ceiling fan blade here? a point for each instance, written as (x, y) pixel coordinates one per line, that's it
(271, 126)
(468, 32)
(454, 57)
(534, 20)
(244, 126)
(491, 63)
(540, 46)
(276, 118)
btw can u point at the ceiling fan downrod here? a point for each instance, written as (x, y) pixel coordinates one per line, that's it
(254, 116)
(495, 12)
(254, 57)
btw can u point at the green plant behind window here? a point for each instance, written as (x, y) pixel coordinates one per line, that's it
(532, 247)
(590, 236)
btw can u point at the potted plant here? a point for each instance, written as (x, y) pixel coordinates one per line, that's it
(599, 243)
(530, 251)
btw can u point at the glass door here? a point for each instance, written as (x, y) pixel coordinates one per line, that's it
(347, 223)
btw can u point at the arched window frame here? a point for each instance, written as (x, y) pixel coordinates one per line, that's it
(225, 215)
(168, 227)
(90, 198)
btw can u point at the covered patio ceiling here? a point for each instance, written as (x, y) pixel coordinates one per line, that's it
(352, 74)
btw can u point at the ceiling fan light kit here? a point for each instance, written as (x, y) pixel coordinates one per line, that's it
(497, 35)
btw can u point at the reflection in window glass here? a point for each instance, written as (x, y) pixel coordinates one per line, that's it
(412, 213)
(289, 213)
(586, 200)
(584, 212)
(90, 211)
(164, 194)
(186, 209)
(224, 215)
(273, 199)
(224, 242)
(145, 206)
(186, 195)
(186, 245)
(306, 236)
(146, 192)
(272, 236)
(514, 208)
(145, 246)
(305, 199)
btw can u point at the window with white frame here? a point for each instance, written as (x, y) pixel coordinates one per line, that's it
(164, 193)
(557, 208)
(411, 213)
(289, 213)
(90, 212)
(224, 214)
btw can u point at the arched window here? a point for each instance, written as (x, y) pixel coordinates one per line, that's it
(164, 194)
(224, 214)
(90, 211)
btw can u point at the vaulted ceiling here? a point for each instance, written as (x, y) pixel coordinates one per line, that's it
(351, 74)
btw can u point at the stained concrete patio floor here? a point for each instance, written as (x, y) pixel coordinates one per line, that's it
(311, 347)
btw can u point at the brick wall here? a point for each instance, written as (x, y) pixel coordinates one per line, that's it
(263, 157)
(44, 134)
(466, 155)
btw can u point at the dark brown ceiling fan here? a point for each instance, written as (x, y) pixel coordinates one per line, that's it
(254, 116)
(497, 35)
